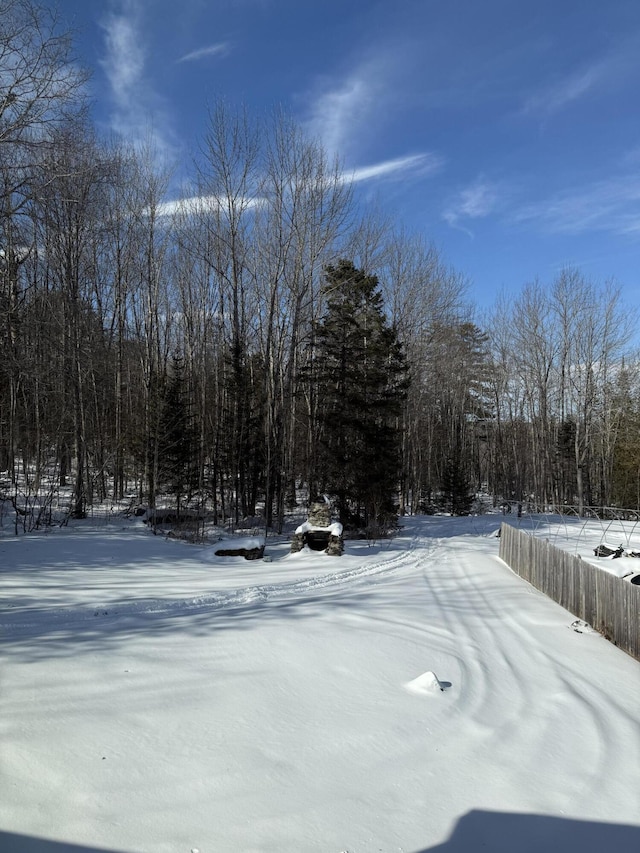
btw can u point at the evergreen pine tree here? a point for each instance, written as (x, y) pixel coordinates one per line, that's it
(361, 381)
(176, 435)
(457, 497)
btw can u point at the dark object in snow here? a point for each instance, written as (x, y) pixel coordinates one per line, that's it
(247, 553)
(605, 551)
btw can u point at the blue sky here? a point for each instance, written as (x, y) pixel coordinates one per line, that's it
(505, 131)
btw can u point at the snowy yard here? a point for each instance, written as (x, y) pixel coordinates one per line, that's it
(157, 699)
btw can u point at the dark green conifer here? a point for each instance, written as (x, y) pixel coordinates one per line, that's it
(457, 497)
(361, 381)
(176, 438)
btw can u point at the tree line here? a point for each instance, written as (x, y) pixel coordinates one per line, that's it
(263, 334)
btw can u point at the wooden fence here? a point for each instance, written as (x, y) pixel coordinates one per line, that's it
(607, 603)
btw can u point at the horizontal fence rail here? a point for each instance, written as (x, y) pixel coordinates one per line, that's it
(604, 601)
(604, 513)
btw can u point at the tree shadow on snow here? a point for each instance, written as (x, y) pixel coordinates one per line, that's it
(13, 843)
(43, 635)
(502, 832)
(35, 627)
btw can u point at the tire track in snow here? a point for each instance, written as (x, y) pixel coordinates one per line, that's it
(495, 691)
(567, 691)
(602, 744)
(504, 697)
(256, 594)
(428, 559)
(474, 683)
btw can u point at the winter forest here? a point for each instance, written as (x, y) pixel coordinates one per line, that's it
(264, 334)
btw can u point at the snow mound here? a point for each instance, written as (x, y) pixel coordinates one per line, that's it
(620, 567)
(426, 683)
(335, 528)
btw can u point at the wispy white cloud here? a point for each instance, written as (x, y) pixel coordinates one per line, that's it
(610, 205)
(202, 205)
(607, 206)
(355, 104)
(602, 75)
(124, 59)
(335, 114)
(477, 201)
(422, 164)
(561, 93)
(219, 49)
(138, 111)
(191, 206)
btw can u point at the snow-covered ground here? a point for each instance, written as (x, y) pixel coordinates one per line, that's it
(408, 696)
